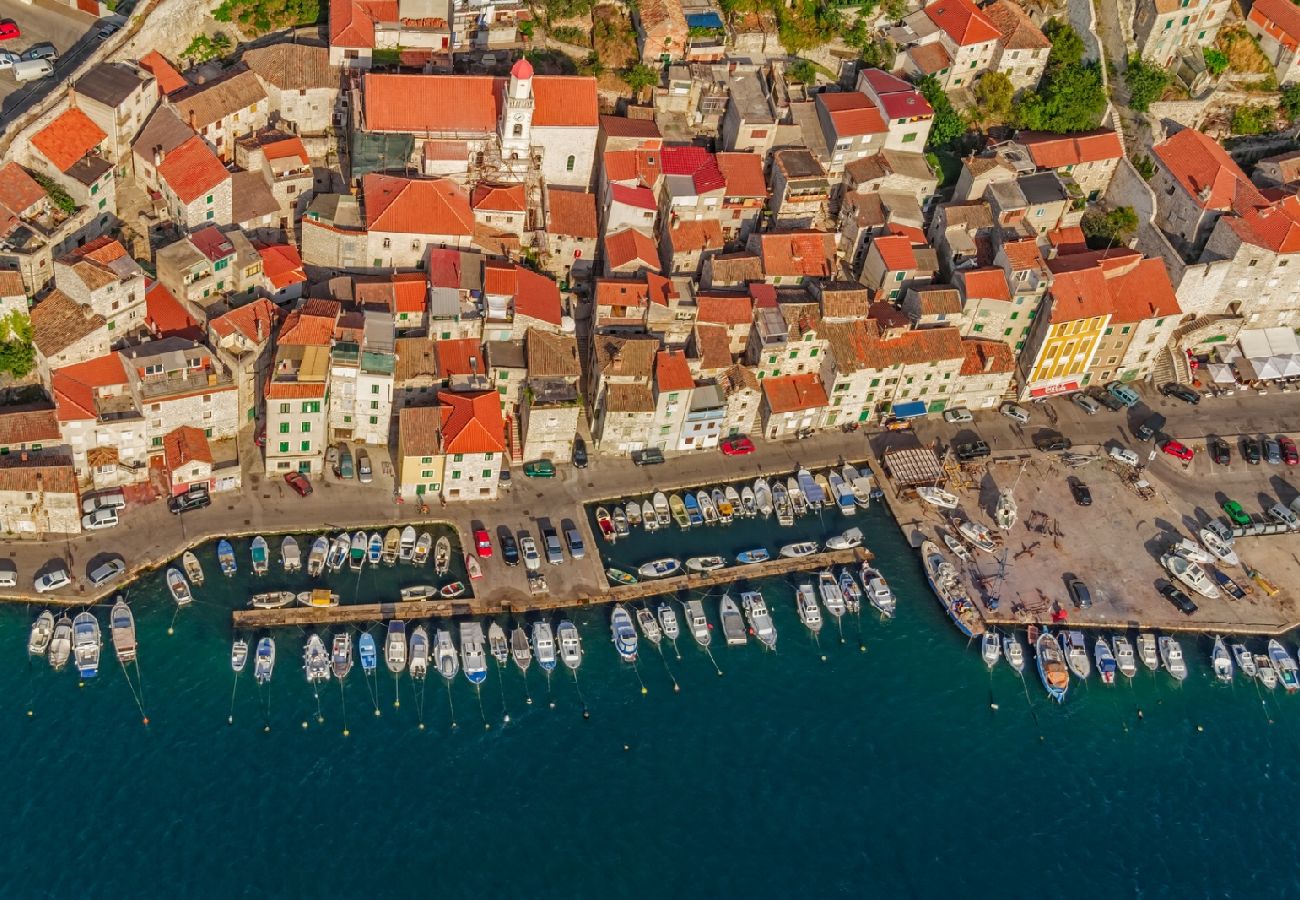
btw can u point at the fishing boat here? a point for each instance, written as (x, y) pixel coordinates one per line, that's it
(272, 599)
(1006, 512)
(678, 508)
(442, 555)
(544, 645)
(846, 540)
(121, 628)
(316, 660)
(649, 518)
(706, 563)
(1283, 664)
(86, 644)
(957, 547)
(762, 498)
(948, 588)
(472, 655)
(798, 500)
(374, 549)
(1245, 661)
(42, 630)
(357, 550)
(781, 504)
(806, 604)
(879, 594)
(828, 586)
(60, 643)
(633, 513)
(1076, 653)
(1014, 652)
(1221, 660)
(707, 509)
(693, 514)
(472, 567)
(1189, 549)
(1190, 574)
(660, 568)
(226, 557)
(319, 598)
(1147, 651)
(937, 497)
(698, 623)
(393, 546)
(367, 651)
(668, 621)
(261, 555)
(990, 648)
(813, 494)
(1266, 674)
(620, 523)
(842, 492)
(395, 647)
(290, 555)
(733, 627)
(823, 494)
(406, 544)
(649, 625)
(179, 588)
(1230, 587)
(1051, 666)
(238, 655)
(264, 664)
(726, 510)
(979, 535)
(418, 592)
(338, 555)
(451, 591)
(618, 576)
(749, 502)
(663, 511)
(753, 557)
(1105, 660)
(849, 588)
(1124, 656)
(423, 547)
(520, 650)
(570, 644)
(1221, 549)
(760, 618)
(1171, 654)
(799, 549)
(736, 500)
(624, 635)
(320, 549)
(341, 655)
(859, 483)
(193, 571)
(605, 523)
(417, 654)
(497, 644)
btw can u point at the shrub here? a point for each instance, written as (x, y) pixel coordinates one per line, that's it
(802, 71)
(1248, 119)
(1216, 61)
(1146, 82)
(1106, 229)
(947, 127)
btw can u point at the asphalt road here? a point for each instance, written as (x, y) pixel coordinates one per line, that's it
(69, 30)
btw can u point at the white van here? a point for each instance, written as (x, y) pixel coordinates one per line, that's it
(106, 500)
(32, 69)
(1121, 454)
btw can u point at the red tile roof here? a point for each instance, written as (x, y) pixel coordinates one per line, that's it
(352, 22)
(169, 80)
(691, 235)
(281, 264)
(852, 114)
(1068, 240)
(671, 371)
(498, 197)
(166, 317)
(74, 387)
(643, 167)
(68, 138)
(698, 163)
(310, 325)
(289, 148)
(987, 357)
(255, 321)
(622, 126)
(1143, 292)
(807, 253)
(638, 197)
(192, 170)
(793, 393)
(29, 426)
(471, 423)
(630, 246)
(416, 206)
(1023, 254)
(443, 104)
(459, 356)
(1017, 30)
(19, 191)
(1055, 151)
(538, 297)
(896, 251)
(1120, 282)
(294, 390)
(564, 101)
(743, 173)
(571, 213)
(898, 97)
(987, 283)
(724, 309)
(1276, 227)
(962, 21)
(185, 445)
(410, 292)
(499, 278)
(1207, 173)
(1283, 14)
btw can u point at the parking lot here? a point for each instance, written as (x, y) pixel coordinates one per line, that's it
(68, 29)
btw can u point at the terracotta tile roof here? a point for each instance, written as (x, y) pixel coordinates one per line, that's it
(419, 430)
(693, 235)
(808, 253)
(844, 299)
(1143, 292)
(498, 197)
(169, 80)
(1023, 254)
(849, 343)
(449, 151)
(852, 114)
(74, 387)
(256, 321)
(712, 345)
(287, 148)
(671, 371)
(724, 309)
(416, 359)
(186, 444)
(571, 213)
(896, 252)
(697, 163)
(898, 97)
(794, 393)
(293, 66)
(1276, 226)
(565, 101)
(987, 357)
(1068, 240)
(310, 325)
(29, 426)
(624, 298)
(886, 315)
(447, 104)
(281, 264)
(460, 356)
(622, 126)
(735, 268)
(930, 58)
(629, 398)
(631, 248)
(628, 357)
(352, 22)
(37, 475)
(19, 191)
(68, 138)
(11, 284)
(1017, 30)
(738, 378)
(989, 283)
(743, 174)
(1283, 14)
(471, 423)
(166, 317)
(962, 21)
(639, 167)
(538, 297)
(192, 170)
(552, 355)
(1205, 171)
(416, 206)
(410, 293)
(58, 322)
(294, 390)
(938, 299)
(915, 347)
(1055, 151)
(1119, 282)
(206, 104)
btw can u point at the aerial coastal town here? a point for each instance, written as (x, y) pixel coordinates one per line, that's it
(1019, 272)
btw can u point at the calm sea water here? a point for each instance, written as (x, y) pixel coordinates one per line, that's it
(883, 771)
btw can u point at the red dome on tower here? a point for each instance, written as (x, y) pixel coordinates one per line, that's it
(523, 70)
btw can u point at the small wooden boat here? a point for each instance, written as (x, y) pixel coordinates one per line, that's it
(662, 511)
(341, 655)
(633, 513)
(732, 499)
(1265, 672)
(1052, 670)
(395, 647)
(798, 501)
(692, 504)
(1229, 586)
(678, 507)
(726, 513)
(799, 548)
(620, 523)
(60, 643)
(367, 651)
(472, 567)
(272, 599)
(957, 547)
(937, 497)
(781, 504)
(318, 598)
(733, 626)
(520, 650)
(374, 549)
(423, 546)
(605, 523)
(570, 644)
(357, 551)
(824, 485)
(419, 592)
(442, 555)
(42, 630)
(406, 545)
(264, 666)
(452, 591)
(1076, 654)
(497, 644)
(238, 655)
(193, 571)
(261, 554)
(751, 557)
(315, 660)
(290, 555)
(1105, 660)
(649, 518)
(338, 555)
(418, 653)
(121, 628)
(749, 502)
(990, 648)
(618, 576)
(86, 644)
(846, 540)
(660, 568)
(226, 557)
(698, 623)
(649, 625)
(393, 545)
(1221, 661)
(320, 549)
(179, 588)
(762, 498)
(622, 632)
(706, 563)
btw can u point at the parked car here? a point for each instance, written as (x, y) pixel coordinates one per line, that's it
(1251, 452)
(1085, 403)
(1272, 452)
(100, 518)
(651, 456)
(1181, 392)
(737, 446)
(8, 574)
(1281, 513)
(52, 580)
(1014, 412)
(41, 51)
(8, 60)
(1079, 593)
(891, 424)
(1151, 427)
(365, 474)
(509, 547)
(1289, 455)
(958, 416)
(1082, 496)
(972, 450)
(1051, 442)
(482, 543)
(1123, 455)
(106, 500)
(194, 498)
(1220, 452)
(107, 571)
(528, 548)
(1178, 598)
(579, 453)
(344, 470)
(299, 482)
(540, 468)
(1235, 513)
(1106, 399)
(9, 30)
(1123, 393)
(551, 541)
(573, 538)
(105, 31)
(1177, 449)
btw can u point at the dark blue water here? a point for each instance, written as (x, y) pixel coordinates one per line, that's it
(883, 771)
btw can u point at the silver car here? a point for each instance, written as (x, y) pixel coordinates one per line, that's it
(528, 549)
(364, 473)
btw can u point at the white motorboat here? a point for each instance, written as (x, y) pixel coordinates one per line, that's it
(520, 650)
(544, 645)
(1014, 652)
(472, 654)
(1006, 512)
(660, 568)
(179, 588)
(121, 628)
(238, 655)
(570, 644)
(419, 654)
(633, 514)
(320, 549)
(406, 544)
(849, 588)
(832, 597)
(1245, 661)
(395, 647)
(316, 660)
(762, 498)
(760, 618)
(649, 625)
(748, 502)
(442, 556)
(498, 646)
(272, 599)
(60, 643)
(623, 633)
(979, 535)
(698, 623)
(706, 563)
(859, 482)
(990, 648)
(781, 504)
(846, 540)
(798, 501)
(798, 549)
(1265, 672)
(290, 555)
(938, 497)
(812, 490)
(733, 627)
(1284, 665)
(950, 591)
(1076, 654)
(878, 591)
(1147, 651)
(42, 630)
(707, 509)
(668, 621)
(1221, 660)
(726, 508)
(842, 494)
(663, 515)
(1106, 664)
(264, 664)
(1190, 574)
(957, 547)
(1221, 549)
(261, 555)
(341, 655)
(193, 571)
(649, 518)
(1189, 549)
(1171, 654)
(423, 547)
(338, 553)
(1124, 656)
(809, 613)
(86, 644)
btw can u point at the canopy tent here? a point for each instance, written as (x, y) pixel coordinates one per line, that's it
(1268, 354)
(1220, 373)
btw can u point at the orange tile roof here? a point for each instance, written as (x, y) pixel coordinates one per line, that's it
(19, 191)
(281, 264)
(986, 283)
(410, 292)
(68, 138)
(1023, 254)
(445, 104)
(192, 170)
(1119, 282)
(808, 253)
(712, 345)
(459, 356)
(896, 251)
(1207, 173)
(1143, 292)
(352, 22)
(471, 423)
(255, 321)
(74, 386)
(642, 167)
(690, 235)
(499, 278)
(1068, 240)
(294, 390)
(308, 328)
(565, 100)
(538, 297)
(498, 197)
(915, 347)
(963, 21)
(724, 309)
(1017, 30)
(166, 317)
(169, 80)
(416, 206)
(185, 445)
(852, 113)
(1276, 226)
(671, 371)
(743, 173)
(930, 58)
(1283, 14)
(288, 148)
(793, 393)
(29, 426)
(571, 213)
(987, 357)
(631, 246)
(1055, 151)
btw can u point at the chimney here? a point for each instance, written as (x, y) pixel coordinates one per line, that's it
(158, 155)
(257, 321)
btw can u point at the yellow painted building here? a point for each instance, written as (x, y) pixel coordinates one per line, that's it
(420, 460)
(1067, 329)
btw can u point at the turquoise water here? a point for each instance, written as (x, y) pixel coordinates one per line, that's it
(884, 771)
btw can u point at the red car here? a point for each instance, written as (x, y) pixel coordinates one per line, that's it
(9, 30)
(1174, 448)
(1289, 455)
(738, 446)
(482, 543)
(298, 482)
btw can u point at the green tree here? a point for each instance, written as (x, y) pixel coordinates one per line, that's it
(640, 77)
(1107, 229)
(1070, 98)
(802, 71)
(1216, 61)
(1067, 46)
(947, 127)
(17, 356)
(204, 48)
(1145, 166)
(61, 199)
(1291, 101)
(256, 17)
(993, 94)
(1146, 82)
(526, 28)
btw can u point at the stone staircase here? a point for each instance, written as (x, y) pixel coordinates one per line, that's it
(516, 439)
(1171, 365)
